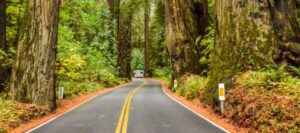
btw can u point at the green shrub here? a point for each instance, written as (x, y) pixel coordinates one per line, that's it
(138, 59)
(191, 86)
(296, 70)
(268, 80)
(162, 72)
(12, 114)
(274, 95)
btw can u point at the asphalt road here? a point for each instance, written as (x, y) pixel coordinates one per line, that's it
(140, 107)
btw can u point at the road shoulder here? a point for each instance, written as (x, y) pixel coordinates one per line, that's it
(203, 111)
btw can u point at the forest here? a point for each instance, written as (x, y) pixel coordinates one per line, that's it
(253, 46)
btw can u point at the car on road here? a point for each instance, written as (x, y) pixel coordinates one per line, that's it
(138, 73)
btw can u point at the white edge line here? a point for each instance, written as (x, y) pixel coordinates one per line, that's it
(37, 127)
(216, 125)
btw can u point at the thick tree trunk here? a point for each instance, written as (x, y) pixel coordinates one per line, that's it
(33, 77)
(124, 43)
(185, 21)
(3, 24)
(112, 37)
(253, 34)
(147, 38)
(4, 72)
(111, 5)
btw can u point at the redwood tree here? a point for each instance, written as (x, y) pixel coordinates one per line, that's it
(147, 37)
(3, 46)
(124, 19)
(33, 76)
(185, 21)
(253, 34)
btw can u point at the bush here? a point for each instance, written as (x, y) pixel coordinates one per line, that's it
(265, 101)
(191, 86)
(12, 114)
(162, 72)
(267, 80)
(296, 71)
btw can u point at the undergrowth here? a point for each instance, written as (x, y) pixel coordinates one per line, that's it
(191, 86)
(75, 88)
(262, 101)
(265, 101)
(12, 114)
(163, 74)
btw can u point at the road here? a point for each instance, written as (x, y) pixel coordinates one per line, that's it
(140, 107)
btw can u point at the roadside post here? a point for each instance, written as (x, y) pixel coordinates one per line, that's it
(222, 95)
(175, 84)
(61, 92)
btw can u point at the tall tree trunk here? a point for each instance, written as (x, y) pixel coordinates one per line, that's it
(3, 46)
(253, 33)
(112, 37)
(147, 38)
(111, 4)
(185, 21)
(124, 42)
(3, 24)
(33, 78)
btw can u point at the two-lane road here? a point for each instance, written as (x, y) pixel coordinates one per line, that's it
(140, 107)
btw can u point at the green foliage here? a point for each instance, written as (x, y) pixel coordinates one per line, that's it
(268, 100)
(162, 72)
(206, 44)
(14, 12)
(211, 8)
(269, 79)
(191, 86)
(158, 52)
(7, 57)
(138, 59)
(74, 88)
(12, 114)
(296, 70)
(86, 47)
(2, 54)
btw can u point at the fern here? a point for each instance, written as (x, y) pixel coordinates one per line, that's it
(296, 70)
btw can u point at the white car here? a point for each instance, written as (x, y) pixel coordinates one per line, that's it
(138, 73)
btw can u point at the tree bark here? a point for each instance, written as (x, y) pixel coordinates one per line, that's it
(252, 34)
(33, 78)
(147, 38)
(124, 19)
(4, 72)
(3, 24)
(111, 5)
(185, 21)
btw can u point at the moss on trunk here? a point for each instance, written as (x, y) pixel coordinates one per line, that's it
(252, 34)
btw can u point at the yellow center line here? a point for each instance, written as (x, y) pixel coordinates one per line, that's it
(125, 111)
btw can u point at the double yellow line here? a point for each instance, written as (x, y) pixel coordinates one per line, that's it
(123, 120)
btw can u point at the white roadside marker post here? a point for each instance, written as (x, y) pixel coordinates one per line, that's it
(61, 92)
(175, 84)
(222, 95)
